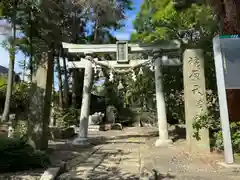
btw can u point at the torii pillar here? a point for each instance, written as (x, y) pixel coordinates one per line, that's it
(163, 139)
(86, 99)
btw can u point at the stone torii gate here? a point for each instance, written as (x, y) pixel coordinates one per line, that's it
(123, 65)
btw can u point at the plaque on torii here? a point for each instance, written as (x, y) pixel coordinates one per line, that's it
(122, 52)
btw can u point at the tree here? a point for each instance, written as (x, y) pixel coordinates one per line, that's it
(194, 25)
(12, 6)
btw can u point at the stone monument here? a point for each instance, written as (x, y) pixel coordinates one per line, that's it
(94, 121)
(195, 98)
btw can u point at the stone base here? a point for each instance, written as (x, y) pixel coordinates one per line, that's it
(160, 142)
(80, 141)
(116, 126)
(93, 127)
(105, 127)
(226, 165)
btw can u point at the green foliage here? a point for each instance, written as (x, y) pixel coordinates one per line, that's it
(209, 122)
(140, 92)
(1, 9)
(20, 97)
(3, 81)
(205, 121)
(235, 135)
(126, 116)
(20, 129)
(159, 20)
(113, 95)
(66, 117)
(17, 155)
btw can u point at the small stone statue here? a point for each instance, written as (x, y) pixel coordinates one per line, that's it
(96, 118)
(10, 131)
(111, 114)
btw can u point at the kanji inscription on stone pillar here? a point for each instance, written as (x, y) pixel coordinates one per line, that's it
(195, 98)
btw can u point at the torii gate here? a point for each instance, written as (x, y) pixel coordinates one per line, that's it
(121, 48)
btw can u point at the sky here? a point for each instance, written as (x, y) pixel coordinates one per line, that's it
(122, 34)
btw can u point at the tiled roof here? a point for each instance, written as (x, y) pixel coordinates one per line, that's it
(3, 70)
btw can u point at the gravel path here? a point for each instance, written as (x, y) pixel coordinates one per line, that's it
(130, 154)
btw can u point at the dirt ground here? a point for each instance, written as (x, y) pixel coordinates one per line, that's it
(131, 154)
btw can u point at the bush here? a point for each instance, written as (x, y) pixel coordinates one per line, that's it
(17, 155)
(209, 122)
(217, 140)
(66, 117)
(20, 129)
(125, 116)
(19, 102)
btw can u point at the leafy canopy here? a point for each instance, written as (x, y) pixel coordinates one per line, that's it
(160, 20)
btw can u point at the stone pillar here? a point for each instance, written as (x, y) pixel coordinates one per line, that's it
(39, 99)
(195, 98)
(85, 108)
(161, 107)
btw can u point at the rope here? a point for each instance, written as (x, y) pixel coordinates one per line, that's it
(130, 69)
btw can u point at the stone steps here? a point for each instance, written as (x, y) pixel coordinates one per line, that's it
(93, 127)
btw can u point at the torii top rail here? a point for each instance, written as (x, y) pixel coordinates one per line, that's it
(101, 48)
(122, 48)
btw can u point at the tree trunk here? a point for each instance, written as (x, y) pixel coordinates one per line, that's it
(60, 86)
(31, 47)
(232, 12)
(219, 10)
(66, 85)
(47, 101)
(5, 115)
(24, 69)
(74, 87)
(228, 13)
(95, 38)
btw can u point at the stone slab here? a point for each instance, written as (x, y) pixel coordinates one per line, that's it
(81, 158)
(50, 174)
(234, 165)
(93, 128)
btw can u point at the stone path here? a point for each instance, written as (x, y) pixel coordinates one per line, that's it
(130, 154)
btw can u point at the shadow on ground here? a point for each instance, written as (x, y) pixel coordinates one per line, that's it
(108, 165)
(105, 158)
(65, 150)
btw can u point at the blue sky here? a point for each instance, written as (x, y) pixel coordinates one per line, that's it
(122, 34)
